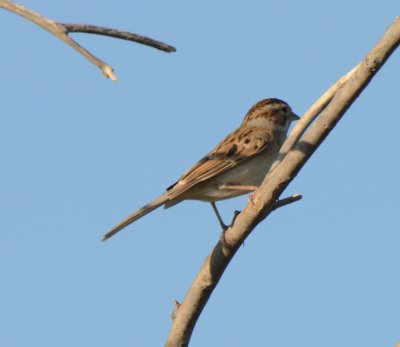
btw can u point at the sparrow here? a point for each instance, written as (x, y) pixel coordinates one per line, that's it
(236, 166)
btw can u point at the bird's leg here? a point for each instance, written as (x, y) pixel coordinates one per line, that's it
(223, 225)
(234, 186)
(221, 222)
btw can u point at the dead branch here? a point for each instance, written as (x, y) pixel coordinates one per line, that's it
(123, 35)
(294, 154)
(61, 30)
(286, 201)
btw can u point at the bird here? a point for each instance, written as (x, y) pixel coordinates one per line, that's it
(236, 166)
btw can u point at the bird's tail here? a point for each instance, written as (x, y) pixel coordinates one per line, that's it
(136, 215)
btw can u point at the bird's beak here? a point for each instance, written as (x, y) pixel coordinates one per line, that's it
(294, 117)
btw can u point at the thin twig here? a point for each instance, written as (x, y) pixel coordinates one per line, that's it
(61, 31)
(286, 201)
(262, 203)
(123, 35)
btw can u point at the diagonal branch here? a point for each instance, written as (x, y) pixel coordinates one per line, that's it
(123, 35)
(61, 31)
(334, 104)
(308, 117)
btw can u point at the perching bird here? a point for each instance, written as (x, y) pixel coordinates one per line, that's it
(235, 167)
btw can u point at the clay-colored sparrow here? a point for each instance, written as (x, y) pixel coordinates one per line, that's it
(236, 166)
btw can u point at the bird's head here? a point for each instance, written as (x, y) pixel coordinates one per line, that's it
(270, 113)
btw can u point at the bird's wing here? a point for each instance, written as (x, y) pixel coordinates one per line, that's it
(236, 148)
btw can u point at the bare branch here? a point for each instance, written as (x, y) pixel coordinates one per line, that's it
(310, 116)
(123, 35)
(286, 201)
(62, 30)
(334, 103)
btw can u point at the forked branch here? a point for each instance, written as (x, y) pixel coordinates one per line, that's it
(300, 145)
(61, 30)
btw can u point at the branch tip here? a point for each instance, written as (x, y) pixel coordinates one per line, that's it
(108, 72)
(287, 201)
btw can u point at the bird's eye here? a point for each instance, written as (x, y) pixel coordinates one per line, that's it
(285, 110)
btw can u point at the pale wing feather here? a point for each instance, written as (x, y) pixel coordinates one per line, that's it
(236, 148)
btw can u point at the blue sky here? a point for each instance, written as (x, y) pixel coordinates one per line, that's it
(80, 152)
